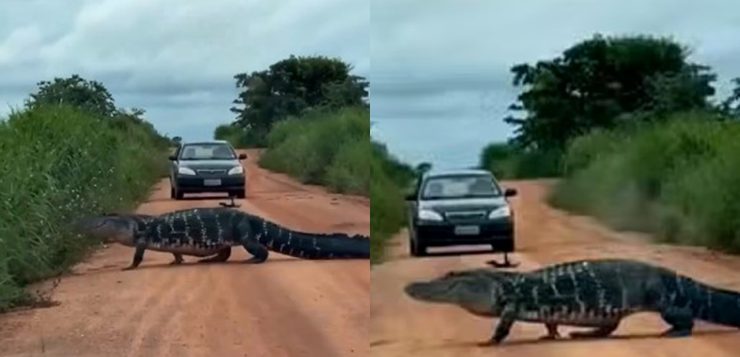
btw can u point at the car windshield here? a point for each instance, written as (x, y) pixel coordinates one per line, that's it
(470, 186)
(214, 151)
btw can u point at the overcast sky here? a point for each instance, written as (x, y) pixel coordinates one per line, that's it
(174, 58)
(440, 69)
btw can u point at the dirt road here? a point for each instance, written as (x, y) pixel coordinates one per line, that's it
(402, 327)
(284, 307)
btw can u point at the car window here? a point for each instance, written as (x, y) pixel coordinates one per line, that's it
(460, 187)
(207, 152)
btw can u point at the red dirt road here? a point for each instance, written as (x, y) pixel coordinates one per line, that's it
(284, 307)
(403, 327)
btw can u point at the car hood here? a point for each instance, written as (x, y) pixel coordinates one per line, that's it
(209, 164)
(463, 204)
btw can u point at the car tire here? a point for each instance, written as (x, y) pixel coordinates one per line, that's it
(417, 249)
(241, 194)
(175, 194)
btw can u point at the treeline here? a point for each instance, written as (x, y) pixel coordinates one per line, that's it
(67, 153)
(629, 125)
(312, 116)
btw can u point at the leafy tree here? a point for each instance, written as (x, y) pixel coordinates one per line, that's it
(599, 81)
(76, 91)
(292, 86)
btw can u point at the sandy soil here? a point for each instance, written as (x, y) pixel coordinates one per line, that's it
(402, 327)
(284, 307)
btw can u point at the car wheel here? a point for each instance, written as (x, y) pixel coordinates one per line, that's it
(172, 192)
(416, 249)
(241, 194)
(176, 194)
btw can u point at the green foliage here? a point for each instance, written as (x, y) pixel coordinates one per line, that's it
(508, 161)
(600, 81)
(328, 147)
(74, 91)
(236, 135)
(390, 180)
(61, 163)
(676, 178)
(292, 86)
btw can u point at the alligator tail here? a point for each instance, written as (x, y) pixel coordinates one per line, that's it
(313, 245)
(717, 305)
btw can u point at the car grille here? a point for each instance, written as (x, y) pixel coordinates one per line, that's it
(460, 216)
(211, 172)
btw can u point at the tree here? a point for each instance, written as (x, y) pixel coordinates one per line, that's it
(75, 90)
(292, 86)
(597, 81)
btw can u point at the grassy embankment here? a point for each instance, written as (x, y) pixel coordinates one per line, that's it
(324, 148)
(677, 179)
(59, 164)
(391, 179)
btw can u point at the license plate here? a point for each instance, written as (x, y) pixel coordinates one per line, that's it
(212, 182)
(467, 230)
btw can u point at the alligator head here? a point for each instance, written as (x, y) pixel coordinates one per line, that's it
(477, 291)
(110, 228)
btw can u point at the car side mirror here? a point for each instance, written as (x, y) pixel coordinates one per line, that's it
(242, 156)
(173, 158)
(410, 197)
(510, 192)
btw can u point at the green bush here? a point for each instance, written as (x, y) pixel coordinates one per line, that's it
(506, 161)
(675, 178)
(328, 148)
(60, 164)
(390, 181)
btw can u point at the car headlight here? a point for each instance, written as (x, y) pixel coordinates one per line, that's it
(236, 170)
(428, 215)
(185, 171)
(501, 212)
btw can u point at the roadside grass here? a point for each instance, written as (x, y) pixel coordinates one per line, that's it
(328, 148)
(390, 180)
(677, 179)
(506, 161)
(60, 164)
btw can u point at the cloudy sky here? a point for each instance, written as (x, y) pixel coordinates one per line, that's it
(174, 58)
(440, 69)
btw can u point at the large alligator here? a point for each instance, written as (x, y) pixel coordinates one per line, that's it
(584, 293)
(211, 232)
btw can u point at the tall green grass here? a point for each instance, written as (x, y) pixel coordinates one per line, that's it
(60, 164)
(329, 148)
(506, 161)
(677, 178)
(390, 181)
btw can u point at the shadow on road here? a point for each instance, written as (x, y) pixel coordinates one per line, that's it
(529, 342)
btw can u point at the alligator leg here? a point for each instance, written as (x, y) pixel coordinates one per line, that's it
(258, 251)
(552, 332)
(178, 259)
(508, 316)
(222, 256)
(138, 256)
(601, 331)
(681, 321)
